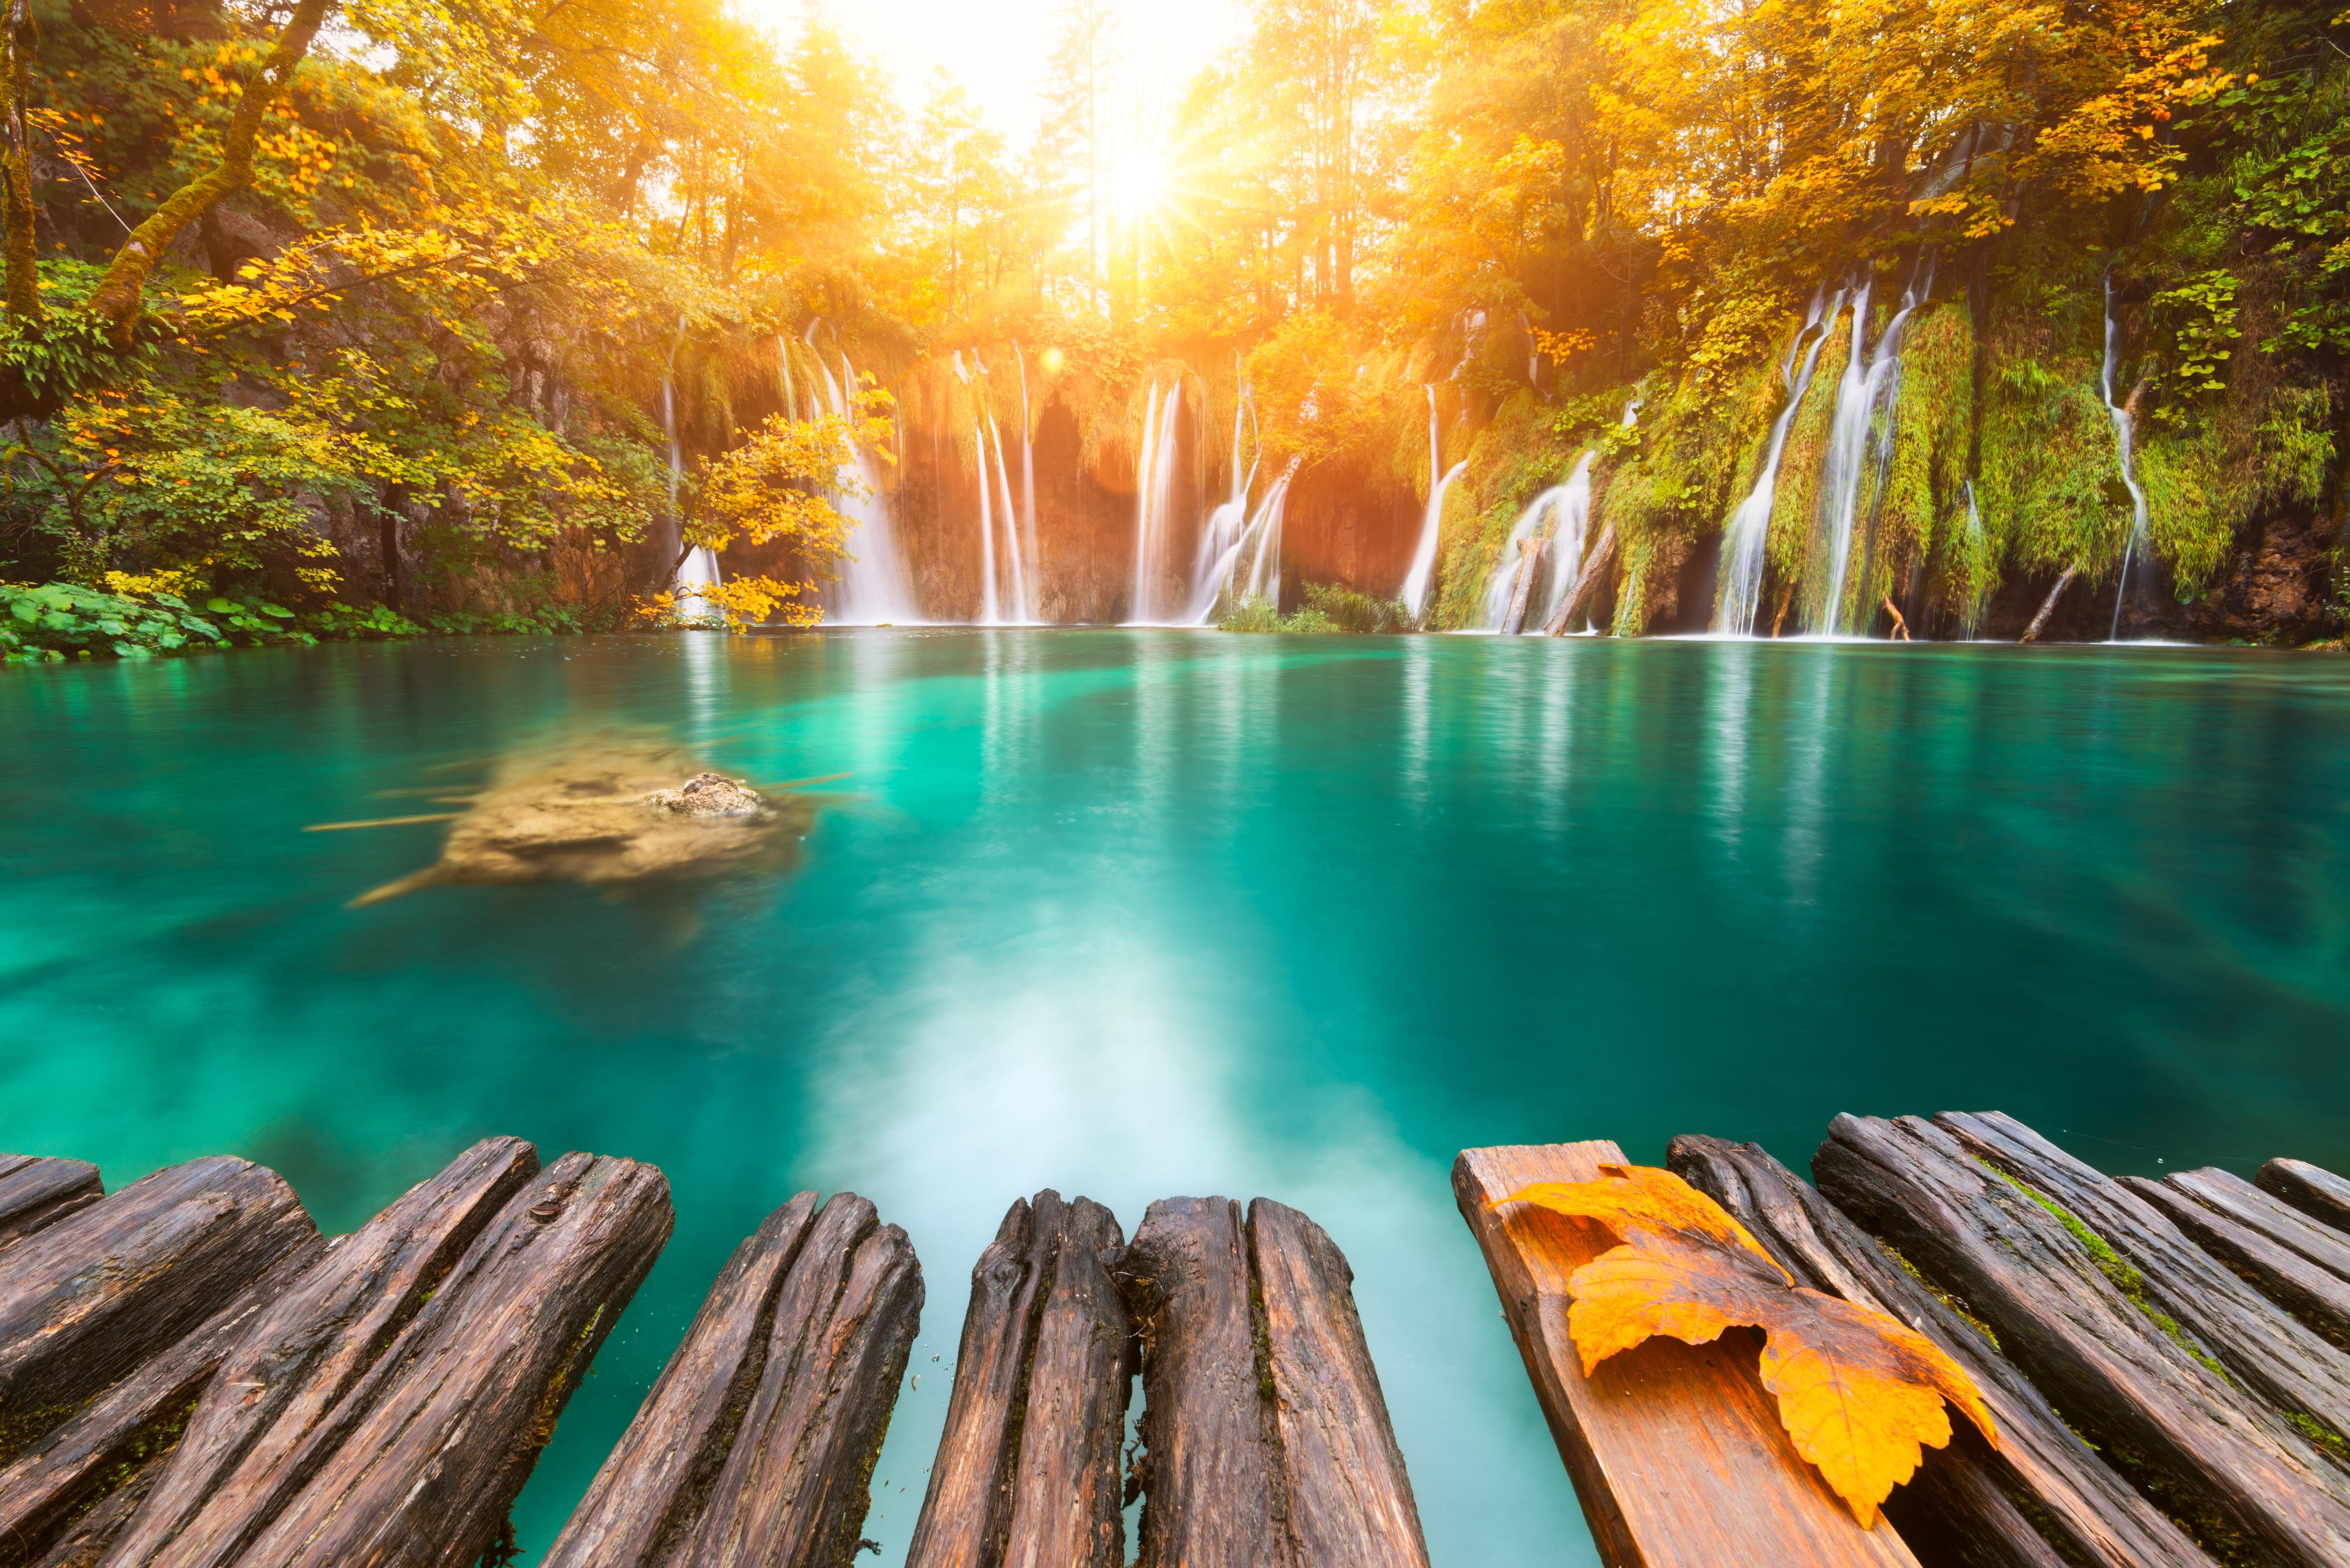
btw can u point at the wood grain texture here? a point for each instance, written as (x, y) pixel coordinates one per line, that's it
(792, 1488)
(1958, 1509)
(87, 1301)
(1596, 564)
(1529, 568)
(1213, 1491)
(1676, 1450)
(653, 1485)
(2225, 1466)
(36, 1192)
(1027, 1467)
(74, 1489)
(2272, 1356)
(453, 1413)
(2312, 1189)
(2298, 1263)
(1350, 1503)
(284, 1401)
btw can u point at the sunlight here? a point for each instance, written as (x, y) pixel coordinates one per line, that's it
(1139, 186)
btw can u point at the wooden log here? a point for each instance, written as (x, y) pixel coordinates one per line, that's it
(36, 1192)
(2048, 605)
(2297, 1263)
(72, 1490)
(1027, 1469)
(298, 1380)
(2274, 1358)
(1596, 565)
(88, 1299)
(1960, 1510)
(453, 1413)
(1350, 1503)
(2222, 1464)
(1209, 1471)
(1530, 554)
(792, 1488)
(2313, 1189)
(1676, 1450)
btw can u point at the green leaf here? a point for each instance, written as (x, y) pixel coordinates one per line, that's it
(219, 606)
(278, 610)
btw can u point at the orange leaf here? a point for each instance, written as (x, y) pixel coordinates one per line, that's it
(1860, 1394)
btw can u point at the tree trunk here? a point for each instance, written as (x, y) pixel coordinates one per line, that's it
(1530, 554)
(19, 218)
(1586, 583)
(2048, 605)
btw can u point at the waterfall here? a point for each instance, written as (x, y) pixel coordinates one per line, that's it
(1423, 559)
(1024, 611)
(1028, 491)
(1749, 528)
(1154, 489)
(989, 614)
(1227, 527)
(1568, 506)
(871, 587)
(1504, 581)
(1971, 619)
(2120, 415)
(791, 395)
(1869, 387)
(700, 568)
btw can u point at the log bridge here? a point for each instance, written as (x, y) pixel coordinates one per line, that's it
(191, 1376)
(2164, 1361)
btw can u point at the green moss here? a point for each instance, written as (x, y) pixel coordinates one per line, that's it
(1939, 1294)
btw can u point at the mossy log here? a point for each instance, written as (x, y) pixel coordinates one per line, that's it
(1530, 554)
(2275, 1357)
(67, 1496)
(1027, 1469)
(755, 1447)
(36, 1192)
(434, 1439)
(91, 1299)
(1267, 1440)
(2297, 1262)
(1596, 562)
(2313, 1189)
(1962, 1508)
(1676, 1453)
(306, 1369)
(2223, 1465)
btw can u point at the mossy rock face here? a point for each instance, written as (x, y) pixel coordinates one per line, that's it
(611, 816)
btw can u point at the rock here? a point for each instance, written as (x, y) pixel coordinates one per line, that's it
(709, 794)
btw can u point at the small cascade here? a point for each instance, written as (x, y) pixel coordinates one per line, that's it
(990, 611)
(1028, 491)
(1154, 492)
(1023, 610)
(1568, 508)
(1423, 558)
(1219, 553)
(1503, 582)
(1971, 618)
(1749, 528)
(871, 587)
(1870, 385)
(791, 393)
(2123, 437)
(700, 568)
(1265, 566)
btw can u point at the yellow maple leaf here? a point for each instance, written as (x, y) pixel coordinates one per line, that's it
(1860, 1394)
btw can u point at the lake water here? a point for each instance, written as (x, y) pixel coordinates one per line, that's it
(1139, 913)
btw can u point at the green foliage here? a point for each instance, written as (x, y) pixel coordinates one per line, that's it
(2194, 325)
(1329, 607)
(53, 619)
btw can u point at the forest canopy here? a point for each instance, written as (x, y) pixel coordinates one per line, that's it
(374, 309)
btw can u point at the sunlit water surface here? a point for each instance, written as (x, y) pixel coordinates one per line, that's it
(1132, 914)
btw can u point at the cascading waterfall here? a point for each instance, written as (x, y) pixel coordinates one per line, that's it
(1228, 527)
(700, 568)
(1028, 491)
(1423, 558)
(1503, 584)
(1971, 619)
(791, 393)
(1024, 612)
(1265, 568)
(871, 587)
(1749, 529)
(990, 614)
(1870, 385)
(1154, 489)
(2122, 445)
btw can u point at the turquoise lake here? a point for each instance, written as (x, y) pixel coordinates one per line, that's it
(1131, 914)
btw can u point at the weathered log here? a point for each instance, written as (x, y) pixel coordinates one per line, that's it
(2048, 605)
(1027, 1469)
(1530, 554)
(1958, 1509)
(1676, 1452)
(2313, 1189)
(1900, 626)
(36, 1192)
(450, 1418)
(2296, 1261)
(72, 1490)
(2225, 1467)
(1595, 563)
(1350, 1503)
(1211, 1475)
(298, 1380)
(2274, 1358)
(85, 1302)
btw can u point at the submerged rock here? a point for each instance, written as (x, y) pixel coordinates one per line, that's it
(609, 817)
